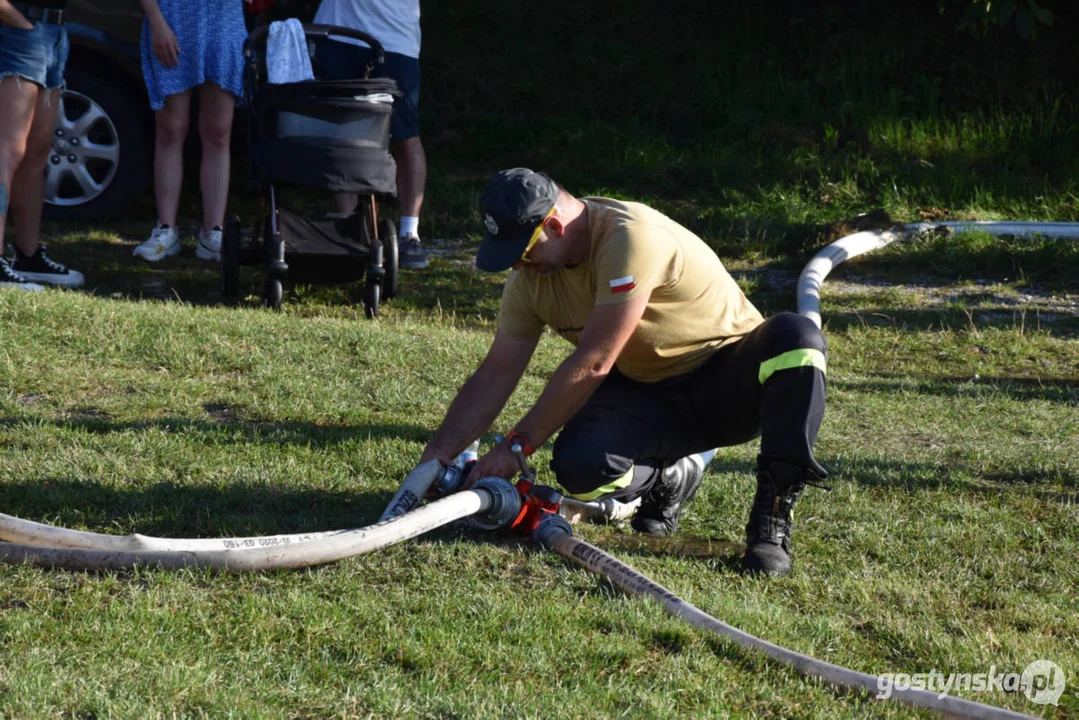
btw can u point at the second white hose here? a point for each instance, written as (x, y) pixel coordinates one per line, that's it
(859, 243)
(598, 561)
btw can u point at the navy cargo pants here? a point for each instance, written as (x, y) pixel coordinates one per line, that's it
(770, 384)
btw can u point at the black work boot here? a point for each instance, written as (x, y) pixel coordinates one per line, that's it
(662, 504)
(768, 533)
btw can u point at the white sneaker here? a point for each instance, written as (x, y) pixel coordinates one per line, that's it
(163, 241)
(209, 244)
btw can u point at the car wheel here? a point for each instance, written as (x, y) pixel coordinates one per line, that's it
(100, 159)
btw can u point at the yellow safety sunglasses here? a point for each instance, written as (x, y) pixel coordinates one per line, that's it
(535, 236)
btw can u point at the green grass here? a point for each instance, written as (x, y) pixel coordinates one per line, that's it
(952, 431)
(946, 542)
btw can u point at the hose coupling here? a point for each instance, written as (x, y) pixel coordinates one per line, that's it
(451, 478)
(505, 504)
(549, 528)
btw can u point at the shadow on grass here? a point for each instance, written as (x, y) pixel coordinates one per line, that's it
(913, 476)
(919, 476)
(451, 285)
(228, 432)
(171, 510)
(1064, 391)
(103, 254)
(1055, 324)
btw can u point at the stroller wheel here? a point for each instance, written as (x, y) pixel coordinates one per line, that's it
(387, 235)
(230, 257)
(370, 301)
(271, 293)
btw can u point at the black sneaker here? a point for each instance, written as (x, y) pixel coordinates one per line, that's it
(10, 278)
(662, 504)
(768, 533)
(410, 254)
(39, 267)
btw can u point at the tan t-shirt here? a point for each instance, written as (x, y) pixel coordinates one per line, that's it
(694, 305)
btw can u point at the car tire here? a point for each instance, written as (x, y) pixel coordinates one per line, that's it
(108, 166)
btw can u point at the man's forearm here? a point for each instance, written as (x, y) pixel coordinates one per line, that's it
(476, 406)
(567, 391)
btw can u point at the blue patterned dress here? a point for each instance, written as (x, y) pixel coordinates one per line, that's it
(211, 36)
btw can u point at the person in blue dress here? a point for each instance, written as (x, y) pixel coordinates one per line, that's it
(188, 45)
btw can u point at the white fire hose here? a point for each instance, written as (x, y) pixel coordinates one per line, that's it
(27, 532)
(860, 243)
(493, 498)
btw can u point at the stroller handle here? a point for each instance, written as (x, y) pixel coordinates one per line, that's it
(317, 31)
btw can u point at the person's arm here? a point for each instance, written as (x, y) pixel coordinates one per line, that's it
(606, 332)
(162, 40)
(10, 16)
(481, 398)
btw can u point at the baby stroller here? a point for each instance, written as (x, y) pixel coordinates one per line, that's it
(331, 135)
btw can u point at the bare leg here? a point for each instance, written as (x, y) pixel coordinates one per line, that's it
(28, 184)
(171, 124)
(215, 130)
(18, 99)
(411, 175)
(411, 178)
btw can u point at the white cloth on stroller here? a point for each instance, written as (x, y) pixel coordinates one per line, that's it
(384, 98)
(287, 58)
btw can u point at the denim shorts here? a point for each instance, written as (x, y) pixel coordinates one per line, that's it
(38, 55)
(341, 61)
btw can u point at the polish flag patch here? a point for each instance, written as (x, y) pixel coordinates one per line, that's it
(623, 284)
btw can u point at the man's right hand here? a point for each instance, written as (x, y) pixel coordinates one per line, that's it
(499, 462)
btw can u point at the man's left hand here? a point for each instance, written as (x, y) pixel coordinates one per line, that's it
(500, 461)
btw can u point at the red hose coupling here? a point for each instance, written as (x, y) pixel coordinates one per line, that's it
(537, 502)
